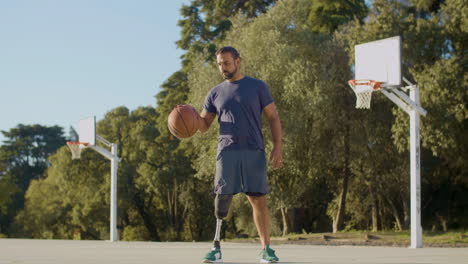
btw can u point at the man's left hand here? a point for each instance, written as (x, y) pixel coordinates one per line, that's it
(276, 158)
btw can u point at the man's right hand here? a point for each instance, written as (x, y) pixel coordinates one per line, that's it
(204, 120)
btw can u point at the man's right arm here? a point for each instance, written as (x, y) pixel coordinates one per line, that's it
(204, 121)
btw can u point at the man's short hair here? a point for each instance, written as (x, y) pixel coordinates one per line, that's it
(225, 49)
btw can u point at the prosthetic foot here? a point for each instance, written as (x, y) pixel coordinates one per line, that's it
(215, 255)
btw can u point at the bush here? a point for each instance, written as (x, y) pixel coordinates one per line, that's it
(135, 233)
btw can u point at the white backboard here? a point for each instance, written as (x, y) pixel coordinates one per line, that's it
(87, 130)
(379, 61)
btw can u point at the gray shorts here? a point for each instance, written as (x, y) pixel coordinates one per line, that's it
(241, 171)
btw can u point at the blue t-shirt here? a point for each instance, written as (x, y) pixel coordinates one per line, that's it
(239, 106)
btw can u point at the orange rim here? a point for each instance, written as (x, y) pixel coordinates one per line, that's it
(77, 143)
(375, 85)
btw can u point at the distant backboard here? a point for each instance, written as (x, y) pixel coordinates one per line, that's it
(379, 61)
(87, 130)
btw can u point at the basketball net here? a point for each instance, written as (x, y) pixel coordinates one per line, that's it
(363, 90)
(75, 148)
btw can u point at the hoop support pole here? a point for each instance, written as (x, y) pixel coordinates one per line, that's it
(114, 158)
(400, 103)
(104, 141)
(103, 152)
(411, 105)
(402, 99)
(409, 101)
(415, 168)
(113, 210)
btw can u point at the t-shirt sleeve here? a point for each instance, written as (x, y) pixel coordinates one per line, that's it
(209, 105)
(265, 95)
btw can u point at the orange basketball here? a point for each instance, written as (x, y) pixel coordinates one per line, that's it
(183, 121)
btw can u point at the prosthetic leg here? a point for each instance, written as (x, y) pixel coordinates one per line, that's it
(222, 203)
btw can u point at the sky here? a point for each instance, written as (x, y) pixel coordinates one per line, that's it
(65, 60)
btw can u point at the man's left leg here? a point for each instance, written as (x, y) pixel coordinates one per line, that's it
(261, 217)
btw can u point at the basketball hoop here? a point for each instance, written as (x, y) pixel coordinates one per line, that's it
(363, 90)
(75, 148)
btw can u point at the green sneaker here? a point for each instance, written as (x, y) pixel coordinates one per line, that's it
(214, 256)
(268, 255)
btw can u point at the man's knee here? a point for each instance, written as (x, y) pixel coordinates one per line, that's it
(222, 204)
(258, 202)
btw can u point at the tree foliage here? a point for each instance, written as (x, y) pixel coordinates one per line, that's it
(205, 22)
(24, 157)
(327, 15)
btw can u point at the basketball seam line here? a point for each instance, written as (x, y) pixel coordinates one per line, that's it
(183, 121)
(174, 130)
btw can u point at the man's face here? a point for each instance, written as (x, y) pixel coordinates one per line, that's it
(228, 66)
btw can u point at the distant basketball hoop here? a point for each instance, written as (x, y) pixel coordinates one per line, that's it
(363, 90)
(377, 67)
(88, 138)
(75, 148)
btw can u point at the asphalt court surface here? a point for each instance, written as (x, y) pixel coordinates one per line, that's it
(32, 251)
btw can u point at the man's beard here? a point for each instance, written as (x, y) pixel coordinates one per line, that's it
(229, 75)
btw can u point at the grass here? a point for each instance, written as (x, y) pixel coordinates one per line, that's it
(452, 237)
(365, 238)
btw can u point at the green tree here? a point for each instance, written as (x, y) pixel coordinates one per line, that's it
(8, 191)
(424, 8)
(24, 153)
(443, 82)
(77, 200)
(24, 157)
(169, 177)
(70, 200)
(134, 132)
(326, 15)
(206, 22)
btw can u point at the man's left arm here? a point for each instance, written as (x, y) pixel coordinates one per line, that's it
(276, 156)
